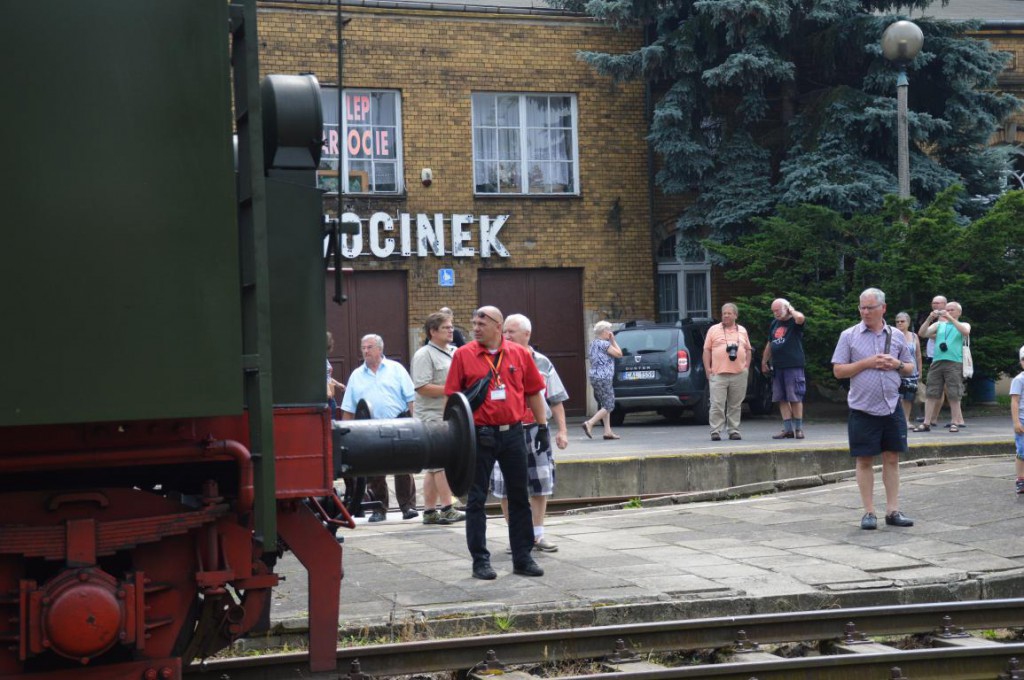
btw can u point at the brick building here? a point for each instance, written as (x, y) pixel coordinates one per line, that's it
(487, 164)
(537, 199)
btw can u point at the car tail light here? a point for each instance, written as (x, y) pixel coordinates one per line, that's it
(682, 361)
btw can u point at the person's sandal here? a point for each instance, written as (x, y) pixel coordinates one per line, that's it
(954, 428)
(922, 428)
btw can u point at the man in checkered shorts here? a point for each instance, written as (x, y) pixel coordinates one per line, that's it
(540, 464)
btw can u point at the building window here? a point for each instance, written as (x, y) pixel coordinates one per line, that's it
(684, 285)
(370, 137)
(525, 144)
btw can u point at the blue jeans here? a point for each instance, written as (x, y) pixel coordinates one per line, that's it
(508, 449)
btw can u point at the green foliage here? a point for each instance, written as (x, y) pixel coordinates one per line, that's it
(762, 102)
(821, 260)
(992, 260)
(504, 622)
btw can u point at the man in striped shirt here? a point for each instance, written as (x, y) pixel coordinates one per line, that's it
(874, 358)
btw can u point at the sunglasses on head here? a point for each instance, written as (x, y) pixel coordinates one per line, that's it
(484, 315)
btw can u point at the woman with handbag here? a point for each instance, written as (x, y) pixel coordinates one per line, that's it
(952, 338)
(908, 396)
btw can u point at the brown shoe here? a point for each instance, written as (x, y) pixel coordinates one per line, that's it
(783, 435)
(799, 434)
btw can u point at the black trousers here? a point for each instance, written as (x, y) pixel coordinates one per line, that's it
(508, 449)
(405, 489)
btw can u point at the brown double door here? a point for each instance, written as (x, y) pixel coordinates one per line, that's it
(377, 303)
(553, 301)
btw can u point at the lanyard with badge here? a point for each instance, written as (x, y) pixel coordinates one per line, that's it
(498, 387)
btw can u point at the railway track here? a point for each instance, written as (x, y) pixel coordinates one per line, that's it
(839, 644)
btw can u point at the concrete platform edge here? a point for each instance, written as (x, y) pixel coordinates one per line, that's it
(756, 471)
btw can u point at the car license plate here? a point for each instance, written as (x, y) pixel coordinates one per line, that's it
(638, 375)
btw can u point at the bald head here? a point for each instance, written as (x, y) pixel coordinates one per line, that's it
(487, 326)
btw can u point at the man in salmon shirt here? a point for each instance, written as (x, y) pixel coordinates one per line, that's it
(515, 383)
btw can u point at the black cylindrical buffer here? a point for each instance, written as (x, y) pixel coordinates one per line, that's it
(365, 448)
(292, 122)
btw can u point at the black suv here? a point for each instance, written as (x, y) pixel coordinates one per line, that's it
(662, 370)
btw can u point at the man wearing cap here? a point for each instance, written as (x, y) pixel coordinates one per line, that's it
(514, 383)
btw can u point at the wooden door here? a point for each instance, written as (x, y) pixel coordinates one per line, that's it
(553, 301)
(377, 303)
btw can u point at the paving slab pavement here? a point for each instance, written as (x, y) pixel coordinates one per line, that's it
(792, 550)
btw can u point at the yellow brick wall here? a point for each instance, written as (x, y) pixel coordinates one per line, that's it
(437, 59)
(1011, 80)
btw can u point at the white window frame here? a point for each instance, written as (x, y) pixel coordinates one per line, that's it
(328, 162)
(524, 181)
(673, 266)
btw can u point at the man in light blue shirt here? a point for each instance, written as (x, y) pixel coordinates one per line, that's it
(387, 388)
(874, 358)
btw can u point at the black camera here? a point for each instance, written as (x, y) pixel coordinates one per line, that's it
(731, 351)
(908, 386)
(944, 347)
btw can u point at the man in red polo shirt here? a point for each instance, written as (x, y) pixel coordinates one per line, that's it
(515, 383)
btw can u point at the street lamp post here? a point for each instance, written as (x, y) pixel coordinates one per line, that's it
(901, 43)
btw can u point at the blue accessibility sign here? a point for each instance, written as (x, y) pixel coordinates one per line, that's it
(446, 277)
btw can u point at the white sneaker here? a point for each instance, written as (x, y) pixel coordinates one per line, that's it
(544, 545)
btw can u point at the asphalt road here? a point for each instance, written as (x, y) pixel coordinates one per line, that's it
(651, 435)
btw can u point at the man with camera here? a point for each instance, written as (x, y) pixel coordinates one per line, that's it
(947, 369)
(727, 354)
(875, 358)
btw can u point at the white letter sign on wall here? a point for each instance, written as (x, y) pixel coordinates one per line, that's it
(351, 245)
(489, 236)
(460, 235)
(377, 222)
(430, 235)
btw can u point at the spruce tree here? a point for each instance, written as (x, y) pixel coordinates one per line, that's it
(768, 102)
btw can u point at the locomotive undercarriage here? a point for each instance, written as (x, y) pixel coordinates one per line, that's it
(123, 578)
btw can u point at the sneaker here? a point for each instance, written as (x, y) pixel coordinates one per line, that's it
(799, 434)
(869, 521)
(783, 435)
(715, 437)
(898, 519)
(378, 516)
(735, 435)
(451, 516)
(409, 513)
(544, 545)
(1020, 485)
(434, 517)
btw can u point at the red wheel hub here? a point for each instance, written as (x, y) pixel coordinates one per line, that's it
(83, 614)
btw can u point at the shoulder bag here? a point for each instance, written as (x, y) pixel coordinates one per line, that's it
(476, 393)
(967, 358)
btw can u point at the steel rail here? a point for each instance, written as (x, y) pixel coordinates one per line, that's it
(597, 642)
(972, 663)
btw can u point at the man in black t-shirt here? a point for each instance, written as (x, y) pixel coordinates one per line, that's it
(785, 354)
